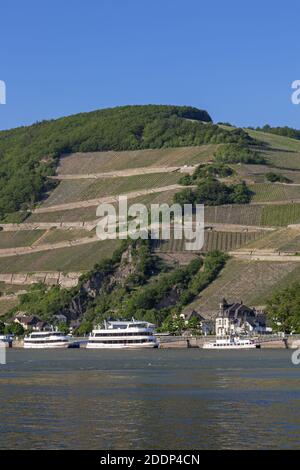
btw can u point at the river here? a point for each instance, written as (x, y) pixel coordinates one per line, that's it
(155, 399)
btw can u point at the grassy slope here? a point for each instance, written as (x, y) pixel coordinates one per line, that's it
(7, 304)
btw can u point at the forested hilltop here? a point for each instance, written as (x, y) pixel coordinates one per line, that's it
(28, 155)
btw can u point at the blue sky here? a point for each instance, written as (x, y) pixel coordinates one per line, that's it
(233, 58)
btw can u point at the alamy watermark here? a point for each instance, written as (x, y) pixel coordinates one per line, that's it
(161, 222)
(296, 93)
(2, 92)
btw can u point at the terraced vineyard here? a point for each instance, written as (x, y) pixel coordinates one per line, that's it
(256, 173)
(284, 152)
(285, 239)
(234, 214)
(269, 192)
(98, 162)
(73, 259)
(223, 241)
(281, 215)
(56, 236)
(16, 239)
(249, 281)
(85, 214)
(80, 190)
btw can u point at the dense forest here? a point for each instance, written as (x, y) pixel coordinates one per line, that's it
(29, 154)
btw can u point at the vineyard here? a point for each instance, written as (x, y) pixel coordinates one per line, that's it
(252, 282)
(100, 162)
(22, 238)
(284, 152)
(257, 173)
(223, 241)
(56, 236)
(73, 259)
(285, 239)
(80, 190)
(280, 215)
(268, 192)
(85, 214)
(234, 214)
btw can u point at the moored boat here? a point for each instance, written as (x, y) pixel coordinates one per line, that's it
(46, 339)
(233, 342)
(123, 335)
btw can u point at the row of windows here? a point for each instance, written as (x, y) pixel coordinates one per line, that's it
(121, 334)
(47, 341)
(130, 341)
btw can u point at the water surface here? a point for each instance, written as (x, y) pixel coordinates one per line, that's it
(155, 399)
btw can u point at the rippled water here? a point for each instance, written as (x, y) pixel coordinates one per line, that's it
(156, 399)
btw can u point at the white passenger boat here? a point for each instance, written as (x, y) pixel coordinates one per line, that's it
(233, 342)
(46, 339)
(123, 335)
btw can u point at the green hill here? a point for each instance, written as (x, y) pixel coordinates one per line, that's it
(29, 154)
(146, 152)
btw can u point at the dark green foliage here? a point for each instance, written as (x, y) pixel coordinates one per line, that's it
(212, 192)
(216, 170)
(84, 329)
(283, 131)
(283, 310)
(44, 303)
(186, 196)
(236, 153)
(276, 178)
(213, 264)
(2, 328)
(14, 329)
(29, 154)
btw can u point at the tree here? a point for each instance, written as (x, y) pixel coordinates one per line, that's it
(84, 329)
(2, 328)
(241, 194)
(283, 309)
(64, 328)
(212, 193)
(174, 324)
(15, 329)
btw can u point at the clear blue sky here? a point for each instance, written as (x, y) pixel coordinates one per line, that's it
(236, 59)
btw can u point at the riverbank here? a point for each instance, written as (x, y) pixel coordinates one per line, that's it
(183, 342)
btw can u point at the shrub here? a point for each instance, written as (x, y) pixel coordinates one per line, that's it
(236, 153)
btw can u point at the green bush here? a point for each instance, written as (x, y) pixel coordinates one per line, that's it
(276, 178)
(236, 153)
(212, 192)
